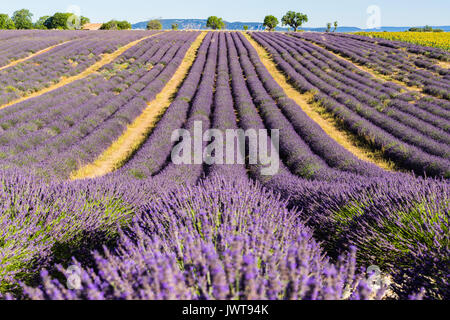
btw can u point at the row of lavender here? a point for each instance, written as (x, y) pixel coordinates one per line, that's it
(60, 131)
(418, 143)
(15, 45)
(415, 71)
(193, 102)
(386, 97)
(66, 60)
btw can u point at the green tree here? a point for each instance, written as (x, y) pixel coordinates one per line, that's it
(335, 26)
(84, 20)
(22, 19)
(110, 25)
(6, 22)
(425, 29)
(58, 21)
(40, 23)
(174, 26)
(328, 27)
(215, 23)
(294, 19)
(270, 22)
(154, 25)
(116, 25)
(245, 28)
(123, 25)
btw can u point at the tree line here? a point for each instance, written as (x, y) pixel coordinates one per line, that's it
(291, 19)
(22, 19)
(425, 29)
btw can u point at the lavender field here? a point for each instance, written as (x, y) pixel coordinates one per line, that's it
(153, 229)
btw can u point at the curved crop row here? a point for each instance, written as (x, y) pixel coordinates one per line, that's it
(320, 143)
(385, 98)
(63, 61)
(338, 88)
(363, 119)
(20, 44)
(153, 154)
(386, 61)
(79, 133)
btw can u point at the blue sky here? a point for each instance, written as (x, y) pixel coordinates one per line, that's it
(347, 12)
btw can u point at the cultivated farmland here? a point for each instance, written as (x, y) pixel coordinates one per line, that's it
(88, 178)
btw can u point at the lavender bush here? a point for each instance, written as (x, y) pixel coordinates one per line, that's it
(218, 240)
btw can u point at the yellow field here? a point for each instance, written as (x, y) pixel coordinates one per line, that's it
(428, 39)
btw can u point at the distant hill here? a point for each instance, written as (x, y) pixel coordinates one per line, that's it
(201, 24)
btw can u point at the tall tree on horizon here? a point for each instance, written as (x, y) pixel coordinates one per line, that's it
(294, 19)
(116, 25)
(40, 24)
(270, 22)
(154, 25)
(6, 22)
(22, 19)
(215, 23)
